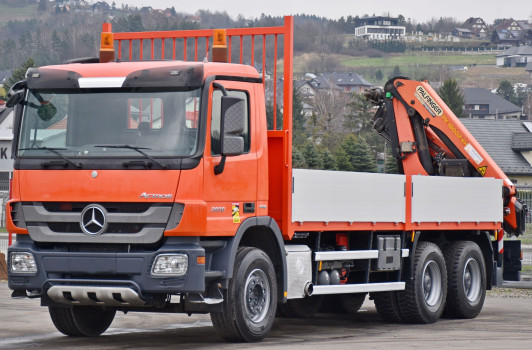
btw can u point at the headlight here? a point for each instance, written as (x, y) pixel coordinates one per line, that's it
(22, 262)
(170, 265)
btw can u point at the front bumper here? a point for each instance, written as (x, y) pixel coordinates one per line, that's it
(108, 269)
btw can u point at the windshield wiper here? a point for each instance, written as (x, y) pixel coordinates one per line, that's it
(56, 152)
(139, 150)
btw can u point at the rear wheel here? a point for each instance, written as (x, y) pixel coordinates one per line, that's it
(81, 321)
(387, 306)
(424, 296)
(251, 299)
(466, 280)
(302, 308)
(351, 303)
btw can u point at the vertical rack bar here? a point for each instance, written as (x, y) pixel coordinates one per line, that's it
(263, 58)
(207, 46)
(119, 49)
(252, 50)
(229, 48)
(241, 48)
(141, 49)
(196, 49)
(162, 48)
(275, 84)
(130, 49)
(185, 50)
(152, 49)
(173, 48)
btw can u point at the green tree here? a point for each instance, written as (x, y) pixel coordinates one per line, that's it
(298, 161)
(396, 72)
(299, 133)
(378, 75)
(355, 155)
(390, 162)
(342, 160)
(506, 90)
(19, 74)
(358, 120)
(451, 95)
(43, 5)
(327, 160)
(312, 156)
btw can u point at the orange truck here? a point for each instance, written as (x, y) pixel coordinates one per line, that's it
(163, 185)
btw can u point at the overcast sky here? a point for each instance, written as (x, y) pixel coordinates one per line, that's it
(418, 10)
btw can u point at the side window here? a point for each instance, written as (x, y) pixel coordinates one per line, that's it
(215, 120)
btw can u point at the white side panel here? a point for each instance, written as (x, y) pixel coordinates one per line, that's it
(456, 199)
(329, 196)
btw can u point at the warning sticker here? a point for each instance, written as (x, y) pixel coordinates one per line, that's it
(482, 170)
(235, 212)
(473, 153)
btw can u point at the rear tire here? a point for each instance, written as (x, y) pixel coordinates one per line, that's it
(424, 296)
(302, 308)
(81, 321)
(249, 305)
(387, 306)
(351, 303)
(466, 280)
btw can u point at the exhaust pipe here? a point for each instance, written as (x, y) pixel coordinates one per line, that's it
(309, 288)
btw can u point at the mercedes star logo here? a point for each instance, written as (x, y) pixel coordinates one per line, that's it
(93, 221)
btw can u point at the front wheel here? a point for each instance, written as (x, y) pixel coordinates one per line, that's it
(466, 281)
(250, 302)
(424, 296)
(81, 321)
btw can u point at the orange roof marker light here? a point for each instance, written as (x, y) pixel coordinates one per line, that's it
(219, 46)
(107, 47)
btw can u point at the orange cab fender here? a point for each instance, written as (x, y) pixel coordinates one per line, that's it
(260, 232)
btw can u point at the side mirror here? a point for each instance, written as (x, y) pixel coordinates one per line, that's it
(233, 113)
(16, 94)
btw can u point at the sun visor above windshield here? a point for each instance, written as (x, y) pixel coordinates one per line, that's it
(42, 78)
(190, 76)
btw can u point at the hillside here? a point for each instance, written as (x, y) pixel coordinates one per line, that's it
(16, 13)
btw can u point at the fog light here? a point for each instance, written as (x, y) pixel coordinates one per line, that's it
(22, 262)
(170, 265)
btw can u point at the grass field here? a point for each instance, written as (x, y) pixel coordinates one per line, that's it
(421, 59)
(8, 13)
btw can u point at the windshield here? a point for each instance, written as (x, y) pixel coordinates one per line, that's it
(98, 124)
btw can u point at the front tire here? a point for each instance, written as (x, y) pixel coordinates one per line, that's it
(81, 321)
(466, 280)
(424, 296)
(249, 305)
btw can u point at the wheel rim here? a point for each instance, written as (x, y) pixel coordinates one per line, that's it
(257, 296)
(432, 286)
(472, 279)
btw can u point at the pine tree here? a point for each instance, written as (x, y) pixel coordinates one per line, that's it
(359, 156)
(342, 160)
(451, 95)
(506, 90)
(362, 159)
(299, 133)
(19, 74)
(312, 156)
(298, 161)
(327, 160)
(378, 75)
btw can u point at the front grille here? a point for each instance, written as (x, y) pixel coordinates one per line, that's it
(77, 207)
(73, 227)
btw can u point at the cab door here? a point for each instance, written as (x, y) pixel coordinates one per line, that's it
(231, 196)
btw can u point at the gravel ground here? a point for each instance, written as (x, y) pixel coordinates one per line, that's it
(509, 293)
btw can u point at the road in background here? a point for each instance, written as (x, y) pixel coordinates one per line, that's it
(504, 323)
